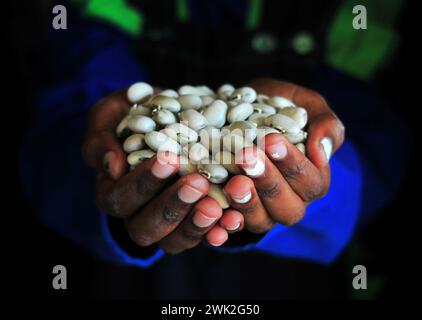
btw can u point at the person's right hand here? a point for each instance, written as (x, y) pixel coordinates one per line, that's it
(157, 207)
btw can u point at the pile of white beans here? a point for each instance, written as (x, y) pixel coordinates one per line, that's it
(206, 128)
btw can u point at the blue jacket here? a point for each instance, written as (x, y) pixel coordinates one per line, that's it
(61, 188)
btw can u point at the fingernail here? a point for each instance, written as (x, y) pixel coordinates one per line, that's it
(255, 170)
(162, 171)
(234, 228)
(243, 198)
(188, 194)
(277, 151)
(107, 160)
(201, 220)
(215, 244)
(327, 144)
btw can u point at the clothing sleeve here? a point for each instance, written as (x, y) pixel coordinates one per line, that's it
(57, 183)
(365, 174)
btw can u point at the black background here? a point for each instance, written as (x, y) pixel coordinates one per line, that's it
(29, 251)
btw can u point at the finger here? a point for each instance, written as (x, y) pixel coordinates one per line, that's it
(125, 196)
(106, 114)
(325, 136)
(325, 132)
(163, 214)
(301, 96)
(301, 174)
(101, 148)
(278, 198)
(104, 152)
(217, 236)
(232, 221)
(193, 229)
(244, 198)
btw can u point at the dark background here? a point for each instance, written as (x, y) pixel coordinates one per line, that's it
(388, 248)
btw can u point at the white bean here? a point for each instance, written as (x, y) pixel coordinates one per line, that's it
(283, 123)
(262, 132)
(262, 98)
(196, 152)
(191, 90)
(160, 142)
(141, 110)
(185, 166)
(206, 128)
(296, 137)
(239, 112)
(122, 128)
(214, 172)
(233, 142)
(210, 138)
(193, 119)
(225, 91)
(169, 93)
(164, 117)
(280, 102)
(263, 108)
(206, 101)
(227, 160)
(190, 101)
(246, 129)
(266, 130)
(134, 142)
(141, 124)
(298, 114)
(136, 157)
(216, 192)
(258, 118)
(301, 147)
(163, 102)
(215, 113)
(139, 91)
(181, 133)
(245, 94)
(205, 91)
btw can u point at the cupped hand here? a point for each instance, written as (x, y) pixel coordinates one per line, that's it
(156, 205)
(280, 181)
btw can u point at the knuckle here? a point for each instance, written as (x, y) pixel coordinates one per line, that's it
(293, 216)
(246, 209)
(268, 191)
(114, 204)
(176, 245)
(144, 186)
(172, 250)
(141, 239)
(315, 191)
(296, 170)
(261, 227)
(192, 234)
(171, 215)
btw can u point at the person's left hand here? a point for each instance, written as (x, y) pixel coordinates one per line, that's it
(280, 190)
